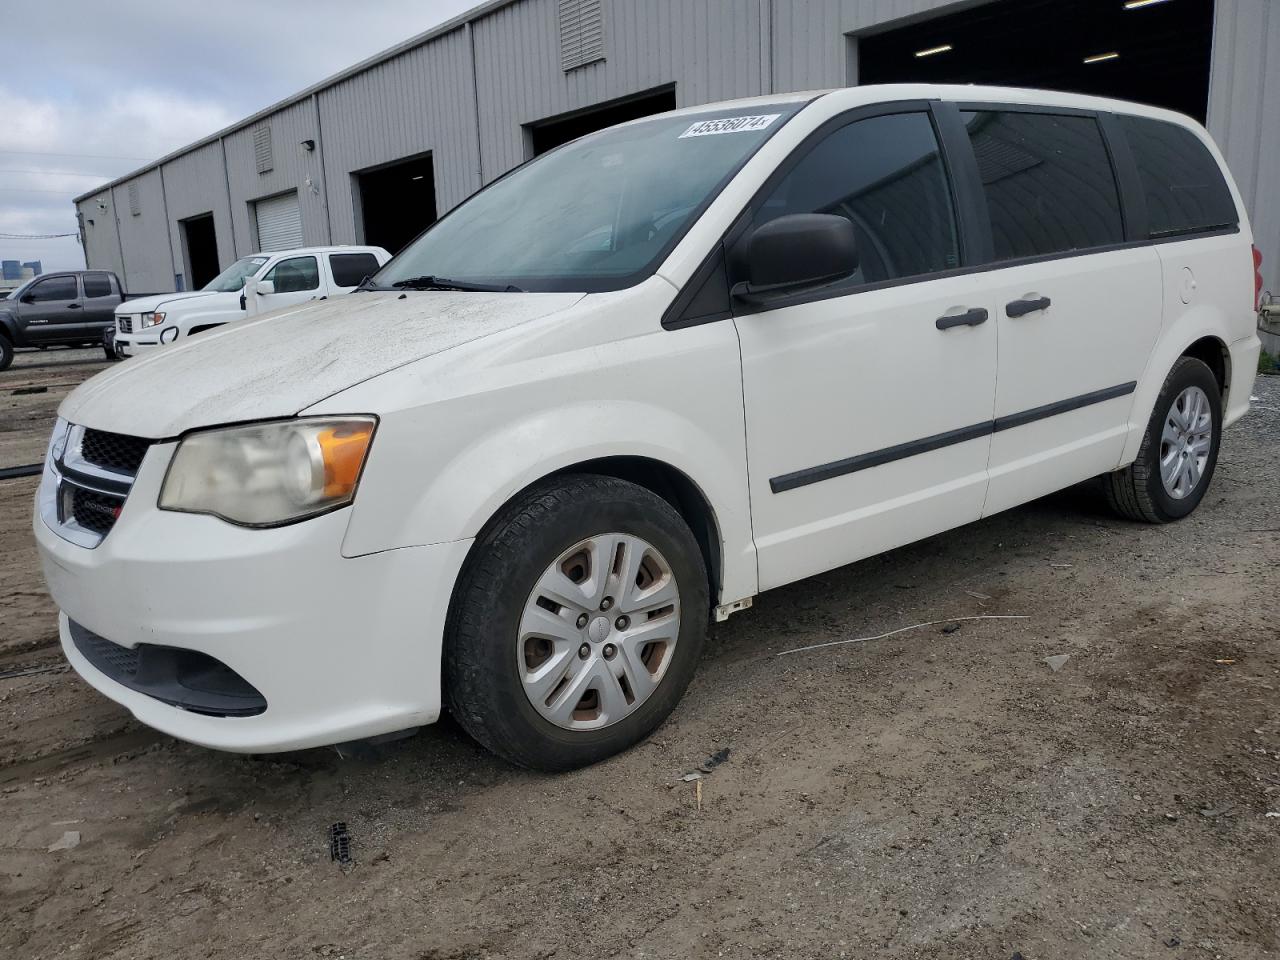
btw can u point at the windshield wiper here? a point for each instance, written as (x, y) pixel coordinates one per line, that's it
(444, 283)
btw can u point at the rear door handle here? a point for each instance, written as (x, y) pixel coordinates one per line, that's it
(1020, 308)
(970, 318)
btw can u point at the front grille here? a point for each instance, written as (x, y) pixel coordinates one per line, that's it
(113, 451)
(92, 510)
(186, 679)
(126, 324)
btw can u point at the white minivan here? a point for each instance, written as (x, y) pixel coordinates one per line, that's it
(255, 284)
(629, 386)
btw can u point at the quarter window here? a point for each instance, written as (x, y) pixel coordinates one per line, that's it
(96, 285)
(1184, 187)
(885, 175)
(295, 275)
(1048, 182)
(350, 268)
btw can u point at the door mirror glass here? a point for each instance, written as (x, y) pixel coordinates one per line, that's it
(799, 250)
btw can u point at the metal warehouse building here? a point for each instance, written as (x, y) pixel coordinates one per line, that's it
(377, 152)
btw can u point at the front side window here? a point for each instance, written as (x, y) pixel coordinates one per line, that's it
(97, 285)
(54, 288)
(885, 175)
(233, 278)
(1048, 182)
(1185, 190)
(597, 214)
(295, 275)
(350, 268)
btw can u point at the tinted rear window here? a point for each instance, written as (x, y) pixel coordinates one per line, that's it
(1185, 190)
(1048, 182)
(350, 268)
(96, 285)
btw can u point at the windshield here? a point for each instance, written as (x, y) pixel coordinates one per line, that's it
(597, 214)
(232, 279)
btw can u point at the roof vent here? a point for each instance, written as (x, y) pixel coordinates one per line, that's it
(581, 33)
(135, 206)
(262, 147)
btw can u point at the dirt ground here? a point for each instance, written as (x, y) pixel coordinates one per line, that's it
(940, 793)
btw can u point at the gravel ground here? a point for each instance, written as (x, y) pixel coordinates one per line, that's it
(941, 793)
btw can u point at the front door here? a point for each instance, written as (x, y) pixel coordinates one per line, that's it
(295, 280)
(1076, 316)
(52, 310)
(869, 403)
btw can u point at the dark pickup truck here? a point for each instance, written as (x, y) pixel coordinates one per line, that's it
(68, 308)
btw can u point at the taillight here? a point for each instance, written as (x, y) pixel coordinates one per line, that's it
(1257, 279)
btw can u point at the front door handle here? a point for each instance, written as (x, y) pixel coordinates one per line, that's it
(73, 306)
(970, 318)
(1020, 308)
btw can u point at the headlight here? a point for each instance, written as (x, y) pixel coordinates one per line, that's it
(151, 319)
(269, 474)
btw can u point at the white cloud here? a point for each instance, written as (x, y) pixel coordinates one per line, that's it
(140, 78)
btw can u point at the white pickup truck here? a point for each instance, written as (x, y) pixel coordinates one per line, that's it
(250, 286)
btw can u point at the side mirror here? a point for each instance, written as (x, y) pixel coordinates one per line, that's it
(29, 298)
(798, 251)
(263, 288)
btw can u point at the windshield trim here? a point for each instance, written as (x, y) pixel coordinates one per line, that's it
(544, 283)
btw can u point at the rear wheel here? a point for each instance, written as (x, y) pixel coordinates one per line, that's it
(1179, 451)
(577, 624)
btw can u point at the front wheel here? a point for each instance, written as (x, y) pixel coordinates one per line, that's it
(577, 623)
(6, 353)
(1179, 451)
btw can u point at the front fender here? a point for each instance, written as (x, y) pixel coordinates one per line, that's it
(438, 472)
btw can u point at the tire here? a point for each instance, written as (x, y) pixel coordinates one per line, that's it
(1139, 491)
(6, 352)
(489, 657)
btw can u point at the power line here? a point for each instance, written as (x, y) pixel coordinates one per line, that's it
(87, 156)
(36, 236)
(60, 173)
(65, 193)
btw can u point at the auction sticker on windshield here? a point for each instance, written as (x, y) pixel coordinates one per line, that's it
(707, 128)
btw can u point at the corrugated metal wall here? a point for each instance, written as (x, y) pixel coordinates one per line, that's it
(194, 184)
(101, 241)
(148, 263)
(470, 111)
(419, 101)
(1244, 114)
(293, 168)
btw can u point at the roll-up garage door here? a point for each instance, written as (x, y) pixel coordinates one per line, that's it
(279, 222)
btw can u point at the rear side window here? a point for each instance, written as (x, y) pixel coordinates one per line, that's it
(295, 275)
(1185, 189)
(350, 268)
(885, 175)
(1048, 182)
(96, 285)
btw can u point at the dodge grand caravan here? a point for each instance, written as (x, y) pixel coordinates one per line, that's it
(629, 386)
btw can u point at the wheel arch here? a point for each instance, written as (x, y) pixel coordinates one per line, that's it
(1217, 357)
(658, 477)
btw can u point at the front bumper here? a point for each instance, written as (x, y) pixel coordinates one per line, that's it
(341, 649)
(130, 345)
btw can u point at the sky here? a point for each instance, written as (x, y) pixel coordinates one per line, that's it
(91, 90)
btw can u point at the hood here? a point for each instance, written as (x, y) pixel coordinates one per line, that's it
(154, 302)
(280, 364)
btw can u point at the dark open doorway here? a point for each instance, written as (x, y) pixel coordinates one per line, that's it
(1154, 52)
(552, 132)
(200, 242)
(397, 201)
